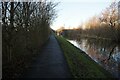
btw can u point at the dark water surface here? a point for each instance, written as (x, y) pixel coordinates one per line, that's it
(105, 52)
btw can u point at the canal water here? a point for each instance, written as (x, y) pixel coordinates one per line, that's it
(106, 53)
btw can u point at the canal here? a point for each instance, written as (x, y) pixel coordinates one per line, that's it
(105, 52)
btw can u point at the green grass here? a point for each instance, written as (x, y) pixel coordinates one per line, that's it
(80, 64)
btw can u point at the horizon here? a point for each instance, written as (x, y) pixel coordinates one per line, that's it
(73, 13)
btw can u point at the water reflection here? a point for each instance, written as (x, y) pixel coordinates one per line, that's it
(104, 52)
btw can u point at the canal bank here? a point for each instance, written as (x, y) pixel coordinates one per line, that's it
(106, 53)
(80, 64)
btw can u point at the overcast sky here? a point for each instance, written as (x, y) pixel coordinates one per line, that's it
(71, 13)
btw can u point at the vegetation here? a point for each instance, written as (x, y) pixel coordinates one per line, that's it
(105, 25)
(80, 64)
(25, 28)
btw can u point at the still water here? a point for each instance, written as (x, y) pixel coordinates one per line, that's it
(106, 53)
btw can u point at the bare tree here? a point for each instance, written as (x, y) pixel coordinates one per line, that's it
(25, 28)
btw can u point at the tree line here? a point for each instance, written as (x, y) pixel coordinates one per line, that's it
(104, 25)
(25, 28)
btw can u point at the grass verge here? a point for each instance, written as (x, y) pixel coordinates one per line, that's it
(80, 64)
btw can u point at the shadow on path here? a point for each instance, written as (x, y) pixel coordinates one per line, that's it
(50, 63)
